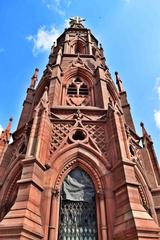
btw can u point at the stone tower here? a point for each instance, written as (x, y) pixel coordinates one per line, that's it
(76, 168)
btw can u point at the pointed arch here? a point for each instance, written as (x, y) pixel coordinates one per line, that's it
(82, 93)
(64, 162)
(144, 192)
(78, 45)
(78, 71)
(10, 188)
(82, 155)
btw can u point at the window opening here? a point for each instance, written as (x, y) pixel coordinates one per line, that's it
(78, 207)
(77, 88)
(79, 48)
(72, 89)
(83, 90)
(79, 135)
(78, 80)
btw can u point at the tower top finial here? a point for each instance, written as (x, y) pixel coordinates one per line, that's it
(76, 21)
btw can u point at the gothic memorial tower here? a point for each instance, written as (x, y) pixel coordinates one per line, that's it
(76, 169)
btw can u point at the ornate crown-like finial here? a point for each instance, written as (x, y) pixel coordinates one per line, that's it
(76, 21)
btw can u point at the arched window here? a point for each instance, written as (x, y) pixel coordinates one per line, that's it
(83, 90)
(79, 47)
(78, 207)
(77, 88)
(72, 89)
(78, 80)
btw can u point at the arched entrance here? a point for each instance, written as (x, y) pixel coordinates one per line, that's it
(93, 166)
(77, 219)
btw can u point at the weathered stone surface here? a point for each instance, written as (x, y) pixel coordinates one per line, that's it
(76, 117)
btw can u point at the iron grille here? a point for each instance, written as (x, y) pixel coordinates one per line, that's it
(77, 221)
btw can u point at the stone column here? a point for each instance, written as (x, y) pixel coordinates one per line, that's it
(54, 223)
(46, 210)
(89, 43)
(103, 225)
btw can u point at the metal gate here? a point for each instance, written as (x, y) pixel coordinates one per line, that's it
(77, 221)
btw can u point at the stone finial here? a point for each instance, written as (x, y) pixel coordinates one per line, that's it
(44, 98)
(102, 53)
(52, 47)
(144, 132)
(76, 21)
(34, 78)
(43, 103)
(5, 135)
(119, 82)
(59, 55)
(145, 135)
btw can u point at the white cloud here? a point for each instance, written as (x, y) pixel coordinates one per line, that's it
(157, 112)
(158, 92)
(157, 87)
(55, 5)
(58, 6)
(1, 129)
(66, 23)
(44, 39)
(157, 117)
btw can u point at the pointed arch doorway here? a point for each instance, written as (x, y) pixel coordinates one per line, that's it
(77, 220)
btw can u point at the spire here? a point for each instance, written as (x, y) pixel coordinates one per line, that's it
(76, 22)
(145, 135)
(119, 82)
(59, 56)
(103, 59)
(124, 103)
(34, 79)
(52, 47)
(43, 101)
(101, 49)
(5, 135)
(28, 102)
(44, 98)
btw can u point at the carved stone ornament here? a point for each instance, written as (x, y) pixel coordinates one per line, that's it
(56, 192)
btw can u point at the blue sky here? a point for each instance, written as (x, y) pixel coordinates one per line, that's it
(128, 30)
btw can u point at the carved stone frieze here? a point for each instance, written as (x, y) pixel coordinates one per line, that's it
(97, 132)
(59, 132)
(69, 127)
(84, 114)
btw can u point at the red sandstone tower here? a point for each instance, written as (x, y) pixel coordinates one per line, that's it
(76, 168)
